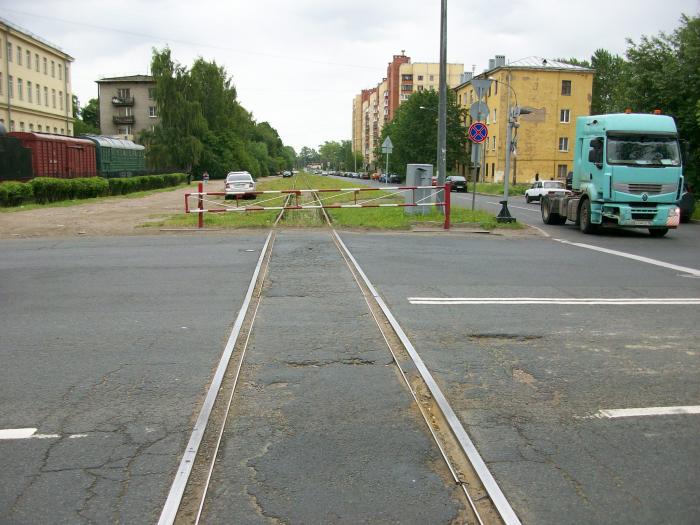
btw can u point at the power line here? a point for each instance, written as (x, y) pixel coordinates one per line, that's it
(187, 42)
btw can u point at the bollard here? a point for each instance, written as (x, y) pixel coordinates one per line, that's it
(446, 205)
(200, 206)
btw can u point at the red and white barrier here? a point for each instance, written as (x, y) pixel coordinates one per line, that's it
(200, 195)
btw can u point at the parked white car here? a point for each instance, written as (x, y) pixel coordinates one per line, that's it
(543, 187)
(240, 183)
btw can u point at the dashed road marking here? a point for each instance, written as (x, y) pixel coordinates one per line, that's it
(24, 433)
(648, 411)
(621, 301)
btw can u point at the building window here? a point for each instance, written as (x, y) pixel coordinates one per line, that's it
(493, 143)
(1, 83)
(46, 96)
(564, 116)
(9, 54)
(19, 55)
(124, 93)
(29, 91)
(494, 113)
(60, 100)
(496, 88)
(53, 69)
(561, 171)
(46, 67)
(53, 98)
(563, 143)
(55, 130)
(566, 87)
(67, 76)
(20, 89)
(152, 111)
(62, 131)
(29, 59)
(36, 62)
(38, 94)
(38, 128)
(152, 93)
(10, 88)
(21, 126)
(431, 78)
(31, 127)
(407, 78)
(420, 88)
(60, 72)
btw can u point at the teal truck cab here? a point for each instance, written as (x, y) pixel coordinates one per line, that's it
(627, 173)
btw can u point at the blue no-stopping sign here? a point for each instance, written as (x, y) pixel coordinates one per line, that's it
(478, 132)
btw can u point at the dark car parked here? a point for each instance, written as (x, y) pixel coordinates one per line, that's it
(458, 182)
(686, 204)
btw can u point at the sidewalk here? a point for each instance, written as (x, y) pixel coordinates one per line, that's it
(322, 430)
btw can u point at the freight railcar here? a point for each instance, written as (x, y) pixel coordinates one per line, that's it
(15, 160)
(117, 157)
(59, 156)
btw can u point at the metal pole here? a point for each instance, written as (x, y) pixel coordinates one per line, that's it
(446, 205)
(200, 206)
(475, 172)
(442, 106)
(504, 214)
(386, 173)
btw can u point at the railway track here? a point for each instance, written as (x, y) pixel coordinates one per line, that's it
(483, 501)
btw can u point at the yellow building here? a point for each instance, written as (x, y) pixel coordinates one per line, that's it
(35, 89)
(556, 93)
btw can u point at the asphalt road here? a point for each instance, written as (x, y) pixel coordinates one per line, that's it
(108, 347)
(528, 381)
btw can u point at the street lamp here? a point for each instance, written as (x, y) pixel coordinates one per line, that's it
(513, 114)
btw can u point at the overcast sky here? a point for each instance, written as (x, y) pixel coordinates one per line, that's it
(298, 63)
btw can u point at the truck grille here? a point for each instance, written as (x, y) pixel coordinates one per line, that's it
(642, 214)
(649, 189)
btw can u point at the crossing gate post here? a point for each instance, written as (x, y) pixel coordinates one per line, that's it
(200, 206)
(448, 189)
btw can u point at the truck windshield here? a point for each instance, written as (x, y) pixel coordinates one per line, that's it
(643, 150)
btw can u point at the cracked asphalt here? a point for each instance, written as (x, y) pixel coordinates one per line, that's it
(322, 429)
(109, 343)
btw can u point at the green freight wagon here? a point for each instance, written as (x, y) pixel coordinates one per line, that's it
(118, 157)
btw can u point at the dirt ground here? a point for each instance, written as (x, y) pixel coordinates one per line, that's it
(118, 216)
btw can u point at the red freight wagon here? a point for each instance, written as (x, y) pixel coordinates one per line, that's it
(59, 156)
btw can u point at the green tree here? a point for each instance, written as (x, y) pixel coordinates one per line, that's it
(86, 120)
(413, 132)
(609, 87)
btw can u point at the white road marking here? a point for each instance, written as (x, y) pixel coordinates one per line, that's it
(554, 300)
(655, 262)
(649, 411)
(24, 433)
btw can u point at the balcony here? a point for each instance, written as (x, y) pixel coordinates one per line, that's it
(122, 101)
(123, 120)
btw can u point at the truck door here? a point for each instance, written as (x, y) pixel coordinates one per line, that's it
(592, 164)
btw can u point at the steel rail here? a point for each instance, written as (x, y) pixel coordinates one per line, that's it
(177, 489)
(454, 474)
(488, 481)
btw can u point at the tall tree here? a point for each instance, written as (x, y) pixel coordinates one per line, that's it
(609, 88)
(86, 119)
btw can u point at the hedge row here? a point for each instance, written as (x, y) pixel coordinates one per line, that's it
(44, 189)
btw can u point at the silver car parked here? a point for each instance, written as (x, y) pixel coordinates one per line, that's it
(240, 184)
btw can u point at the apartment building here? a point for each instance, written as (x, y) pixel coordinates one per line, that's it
(35, 88)
(127, 106)
(375, 107)
(556, 92)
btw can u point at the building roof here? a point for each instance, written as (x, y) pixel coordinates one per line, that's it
(534, 62)
(112, 142)
(26, 32)
(130, 78)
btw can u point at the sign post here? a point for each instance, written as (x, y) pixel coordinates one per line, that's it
(481, 86)
(387, 147)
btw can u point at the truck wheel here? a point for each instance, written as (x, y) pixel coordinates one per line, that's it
(584, 216)
(658, 232)
(548, 216)
(528, 199)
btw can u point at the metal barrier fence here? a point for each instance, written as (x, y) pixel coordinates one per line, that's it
(371, 203)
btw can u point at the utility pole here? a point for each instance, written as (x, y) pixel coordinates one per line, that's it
(442, 106)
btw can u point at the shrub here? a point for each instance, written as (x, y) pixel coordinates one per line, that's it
(15, 193)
